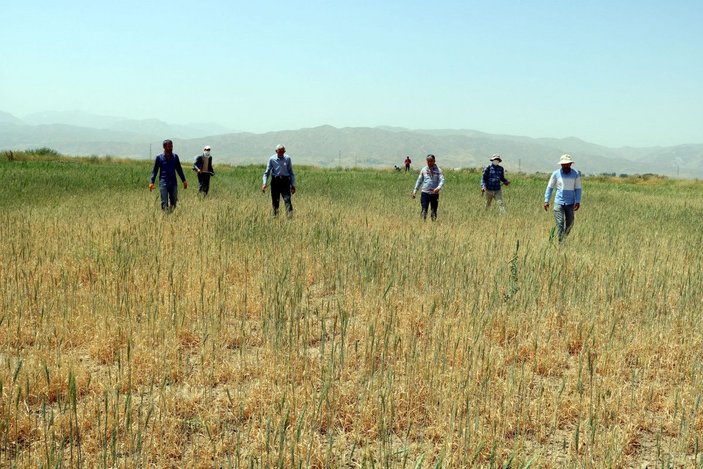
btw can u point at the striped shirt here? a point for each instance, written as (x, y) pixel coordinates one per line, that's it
(430, 179)
(568, 186)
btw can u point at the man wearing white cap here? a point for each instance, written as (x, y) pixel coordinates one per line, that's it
(567, 200)
(493, 176)
(204, 169)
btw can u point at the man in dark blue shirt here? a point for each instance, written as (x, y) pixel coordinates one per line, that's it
(166, 165)
(493, 176)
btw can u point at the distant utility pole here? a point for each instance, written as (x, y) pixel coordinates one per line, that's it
(150, 150)
(339, 158)
(519, 165)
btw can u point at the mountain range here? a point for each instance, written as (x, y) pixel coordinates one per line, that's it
(327, 146)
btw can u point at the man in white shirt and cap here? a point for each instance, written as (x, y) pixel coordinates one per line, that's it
(567, 200)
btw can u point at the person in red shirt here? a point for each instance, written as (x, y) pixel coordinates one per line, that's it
(407, 163)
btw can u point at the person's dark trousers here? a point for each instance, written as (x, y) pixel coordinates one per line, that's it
(203, 183)
(407, 168)
(564, 219)
(280, 186)
(169, 197)
(431, 201)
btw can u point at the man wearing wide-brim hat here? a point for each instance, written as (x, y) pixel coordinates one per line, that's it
(567, 182)
(493, 176)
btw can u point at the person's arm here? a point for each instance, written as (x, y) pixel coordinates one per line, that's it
(420, 179)
(577, 191)
(196, 168)
(290, 171)
(212, 168)
(155, 171)
(267, 172)
(502, 177)
(484, 178)
(550, 187)
(179, 169)
(441, 181)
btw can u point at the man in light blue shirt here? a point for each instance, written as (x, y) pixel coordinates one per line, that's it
(280, 169)
(567, 200)
(432, 181)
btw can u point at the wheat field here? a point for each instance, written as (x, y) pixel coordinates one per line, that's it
(353, 335)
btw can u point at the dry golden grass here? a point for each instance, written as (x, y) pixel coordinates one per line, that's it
(351, 336)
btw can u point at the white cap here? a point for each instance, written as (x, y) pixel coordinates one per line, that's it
(565, 159)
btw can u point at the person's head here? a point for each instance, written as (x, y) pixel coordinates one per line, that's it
(206, 150)
(496, 160)
(280, 150)
(430, 160)
(565, 161)
(168, 146)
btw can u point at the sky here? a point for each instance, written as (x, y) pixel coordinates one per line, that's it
(617, 73)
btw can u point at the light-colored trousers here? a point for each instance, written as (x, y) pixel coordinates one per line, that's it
(498, 195)
(564, 219)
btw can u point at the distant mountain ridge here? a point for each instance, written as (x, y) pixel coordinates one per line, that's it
(330, 146)
(120, 124)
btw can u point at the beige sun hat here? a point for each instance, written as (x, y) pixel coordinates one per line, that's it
(496, 157)
(565, 159)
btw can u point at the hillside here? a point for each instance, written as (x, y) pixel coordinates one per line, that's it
(328, 146)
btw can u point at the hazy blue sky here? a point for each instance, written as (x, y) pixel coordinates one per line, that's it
(611, 72)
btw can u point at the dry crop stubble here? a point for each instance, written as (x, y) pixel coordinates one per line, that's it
(353, 334)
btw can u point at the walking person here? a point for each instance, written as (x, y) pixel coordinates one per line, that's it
(167, 165)
(407, 163)
(567, 182)
(280, 169)
(493, 176)
(204, 169)
(432, 181)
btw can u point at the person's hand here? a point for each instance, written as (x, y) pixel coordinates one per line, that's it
(483, 189)
(198, 171)
(185, 185)
(577, 206)
(292, 189)
(506, 183)
(151, 186)
(436, 191)
(263, 188)
(546, 206)
(413, 195)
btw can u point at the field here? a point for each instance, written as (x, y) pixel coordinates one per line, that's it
(353, 335)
